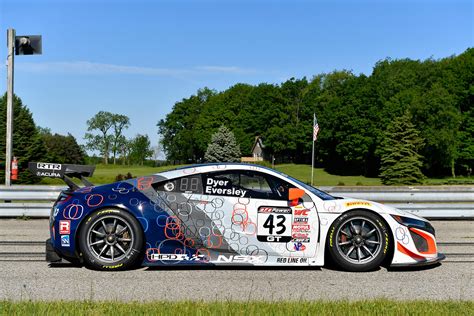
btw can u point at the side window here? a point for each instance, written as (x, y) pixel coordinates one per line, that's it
(189, 184)
(280, 187)
(245, 184)
(223, 183)
(256, 185)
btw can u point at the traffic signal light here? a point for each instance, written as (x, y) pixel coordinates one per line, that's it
(28, 45)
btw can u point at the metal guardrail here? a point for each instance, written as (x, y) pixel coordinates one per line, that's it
(435, 202)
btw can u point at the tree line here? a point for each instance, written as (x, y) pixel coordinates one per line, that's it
(105, 135)
(355, 114)
(34, 143)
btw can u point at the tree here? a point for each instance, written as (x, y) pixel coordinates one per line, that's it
(401, 161)
(101, 122)
(27, 143)
(119, 123)
(353, 111)
(60, 148)
(125, 148)
(140, 149)
(179, 131)
(223, 147)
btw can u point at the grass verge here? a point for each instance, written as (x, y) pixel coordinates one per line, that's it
(367, 307)
(108, 173)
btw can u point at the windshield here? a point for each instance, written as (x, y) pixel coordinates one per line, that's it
(321, 194)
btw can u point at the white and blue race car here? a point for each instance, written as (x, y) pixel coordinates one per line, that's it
(227, 214)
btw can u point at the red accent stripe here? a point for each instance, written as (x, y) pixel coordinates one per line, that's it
(410, 253)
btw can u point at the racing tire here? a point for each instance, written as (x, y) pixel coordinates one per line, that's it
(111, 239)
(358, 241)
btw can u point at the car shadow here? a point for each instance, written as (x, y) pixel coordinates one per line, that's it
(413, 268)
(230, 267)
(64, 265)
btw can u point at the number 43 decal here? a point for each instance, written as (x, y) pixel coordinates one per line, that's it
(270, 226)
(274, 224)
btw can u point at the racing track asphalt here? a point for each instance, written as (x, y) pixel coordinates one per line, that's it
(34, 279)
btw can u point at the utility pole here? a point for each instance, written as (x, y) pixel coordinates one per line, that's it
(21, 45)
(9, 134)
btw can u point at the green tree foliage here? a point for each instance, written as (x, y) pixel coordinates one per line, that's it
(109, 127)
(353, 112)
(27, 143)
(179, 130)
(140, 149)
(60, 148)
(119, 123)
(223, 147)
(401, 161)
(101, 122)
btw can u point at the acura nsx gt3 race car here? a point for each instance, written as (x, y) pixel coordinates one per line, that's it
(226, 214)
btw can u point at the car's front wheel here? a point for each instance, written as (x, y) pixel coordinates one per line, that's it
(111, 239)
(358, 241)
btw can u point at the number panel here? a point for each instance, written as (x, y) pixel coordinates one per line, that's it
(274, 224)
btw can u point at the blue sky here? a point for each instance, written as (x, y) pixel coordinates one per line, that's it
(139, 57)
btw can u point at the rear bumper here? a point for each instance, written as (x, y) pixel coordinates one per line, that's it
(51, 254)
(420, 263)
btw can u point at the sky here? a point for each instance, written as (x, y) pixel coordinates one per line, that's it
(139, 58)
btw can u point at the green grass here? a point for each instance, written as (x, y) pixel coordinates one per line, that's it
(368, 307)
(107, 173)
(322, 178)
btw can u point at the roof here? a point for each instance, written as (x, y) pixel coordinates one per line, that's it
(258, 140)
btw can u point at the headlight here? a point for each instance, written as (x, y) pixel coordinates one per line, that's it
(416, 223)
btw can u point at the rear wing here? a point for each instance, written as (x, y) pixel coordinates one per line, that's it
(63, 171)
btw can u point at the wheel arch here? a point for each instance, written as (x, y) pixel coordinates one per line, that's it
(391, 248)
(98, 209)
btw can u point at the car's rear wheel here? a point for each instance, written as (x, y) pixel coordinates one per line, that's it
(111, 239)
(358, 241)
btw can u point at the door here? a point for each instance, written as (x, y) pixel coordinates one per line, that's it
(258, 220)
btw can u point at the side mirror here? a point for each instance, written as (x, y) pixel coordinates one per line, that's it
(295, 194)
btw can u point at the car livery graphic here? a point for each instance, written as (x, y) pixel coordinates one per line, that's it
(226, 214)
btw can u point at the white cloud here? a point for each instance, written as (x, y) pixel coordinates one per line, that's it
(226, 69)
(91, 68)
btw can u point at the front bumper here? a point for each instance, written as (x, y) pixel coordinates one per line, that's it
(440, 257)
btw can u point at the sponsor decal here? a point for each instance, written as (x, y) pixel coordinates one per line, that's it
(113, 267)
(298, 246)
(48, 166)
(301, 228)
(169, 186)
(301, 235)
(220, 187)
(303, 212)
(175, 257)
(292, 260)
(265, 210)
(241, 259)
(302, 240)
(300, 220)
(274, 224)
(65, 241)
(48, 174)
(64, 227)
(357, 203)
